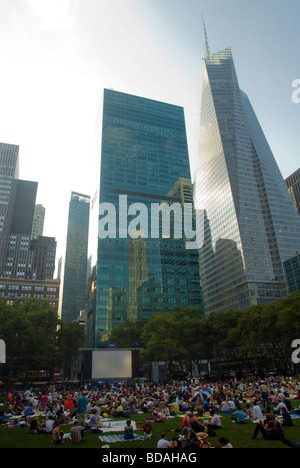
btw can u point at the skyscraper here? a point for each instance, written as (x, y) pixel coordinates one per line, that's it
(144, 153)
(293, 185)
(38, 221)
(251, 225)
(18, 257)
(17, 201)
(9, 171)
(75, 271)
(26, 265)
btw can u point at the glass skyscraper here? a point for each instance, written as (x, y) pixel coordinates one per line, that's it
(251, 225)
(76, 262)
(144, 154)
(292, 271)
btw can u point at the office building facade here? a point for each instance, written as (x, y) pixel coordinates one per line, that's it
(9, 172)
(251, 225)
(144, 153)
(38, 221)
(75, 269)
(23, 261)
(292, 272)
(293, 185)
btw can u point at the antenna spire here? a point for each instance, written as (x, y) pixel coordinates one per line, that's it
(207, 52)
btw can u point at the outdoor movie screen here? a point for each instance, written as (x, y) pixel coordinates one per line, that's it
(112, 364)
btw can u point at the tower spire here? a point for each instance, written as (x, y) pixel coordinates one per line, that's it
(207, 52)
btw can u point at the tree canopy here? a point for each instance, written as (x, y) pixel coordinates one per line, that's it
(259, 337)
(35, 338)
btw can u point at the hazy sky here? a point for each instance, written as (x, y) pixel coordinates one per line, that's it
(57, 56)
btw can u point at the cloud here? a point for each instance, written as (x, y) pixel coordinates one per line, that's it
(54, 14)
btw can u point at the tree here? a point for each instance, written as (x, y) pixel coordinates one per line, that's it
(36, 339)
(69, 337)
(129, 335)
(29, 331)
(160, 336)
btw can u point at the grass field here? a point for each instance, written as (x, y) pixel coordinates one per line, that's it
(238, 435)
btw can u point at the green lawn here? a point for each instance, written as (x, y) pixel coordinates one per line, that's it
(238, 435)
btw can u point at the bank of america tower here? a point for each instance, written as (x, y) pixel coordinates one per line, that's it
(251, 225)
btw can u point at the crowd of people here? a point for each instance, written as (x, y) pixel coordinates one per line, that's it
(267, 402)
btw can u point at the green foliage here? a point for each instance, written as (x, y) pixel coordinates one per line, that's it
(35, 338)
(262, 334)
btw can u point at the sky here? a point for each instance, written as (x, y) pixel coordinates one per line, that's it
(57, 56)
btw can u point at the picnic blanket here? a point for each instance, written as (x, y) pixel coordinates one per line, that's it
(157, 418)
(118, 438)
(116, 426)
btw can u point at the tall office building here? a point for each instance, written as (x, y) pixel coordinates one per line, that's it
(9, 171)
(38, 221)
(18, 257)
(43, 264)
(251, 225)
(17, 209)
(143, 154)
(75, 270)
(26, 265)
(293, 185)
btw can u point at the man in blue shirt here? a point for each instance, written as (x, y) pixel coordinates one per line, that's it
(82, 409)
(239, 417)
(206, 405)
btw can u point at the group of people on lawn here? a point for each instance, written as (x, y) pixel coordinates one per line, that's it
(86, 408)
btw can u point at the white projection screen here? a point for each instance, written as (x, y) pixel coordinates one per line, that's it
(112, 364)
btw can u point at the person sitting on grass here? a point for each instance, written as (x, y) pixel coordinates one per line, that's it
(164, 413)
(186, 420)
(225, 408)
(163, 442)
(250, 413)
(198, 410)
(35, 426)
(77, 432)
(49, 424)
(215, 422)
(224, 442)
(57, 434)
(196, 429)
(272, 433)
(238, 417)
(119, 413)
(128, 430)
(286, 418)
(95, 422)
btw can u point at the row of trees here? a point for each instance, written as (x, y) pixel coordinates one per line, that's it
(36, 339)
(258, 339)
